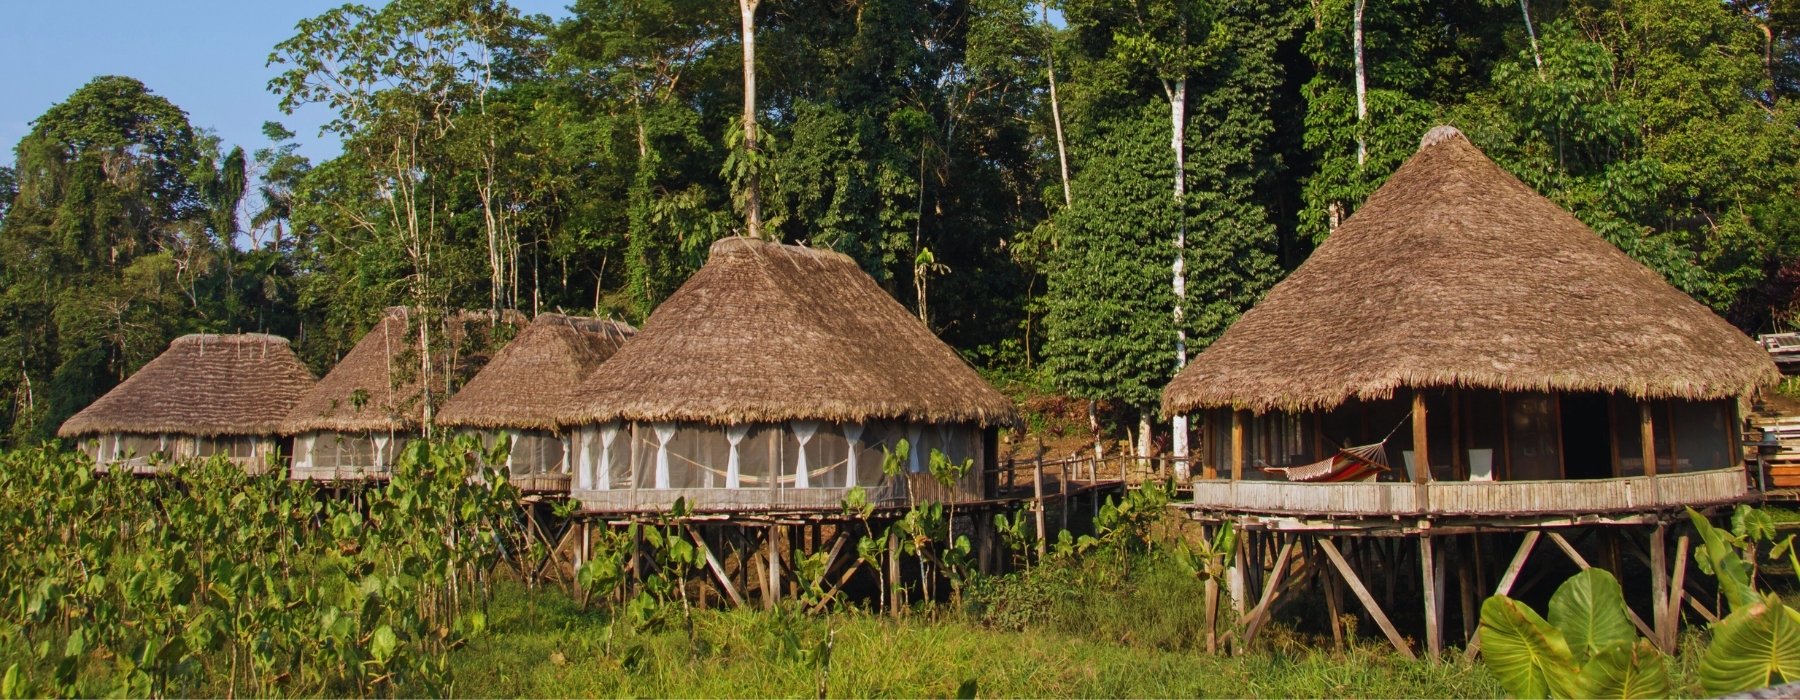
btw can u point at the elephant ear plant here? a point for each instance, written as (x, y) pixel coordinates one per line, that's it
(1588, 649)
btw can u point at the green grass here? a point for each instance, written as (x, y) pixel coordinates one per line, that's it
(541, 644)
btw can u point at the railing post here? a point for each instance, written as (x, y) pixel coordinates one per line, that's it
(1037, 497)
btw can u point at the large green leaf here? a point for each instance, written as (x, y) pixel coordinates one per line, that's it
(1754, 647)
(1530, 657)
(1625, 670)
(1589, 610)
(1720, 559)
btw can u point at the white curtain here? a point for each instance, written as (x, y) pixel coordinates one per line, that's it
(664, 433)
(913, 433)
(608, 434)
(584, 456)
(734, 434)
(853, 434)
(803, 432)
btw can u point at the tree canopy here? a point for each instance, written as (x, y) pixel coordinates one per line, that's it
(494, 159)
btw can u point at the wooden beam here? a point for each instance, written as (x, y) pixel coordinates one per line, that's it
(718, 569)
(772, 593)
(1434, 644)
(1368, 601)
(1209, 430)
(1253, 621)
(1676, 590)
(1582, 562)
(1647, 434)
(1506, 583)
(1659, 588)
(1237, 445)
(1421, 444)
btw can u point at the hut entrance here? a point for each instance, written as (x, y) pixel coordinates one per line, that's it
(1586, 447)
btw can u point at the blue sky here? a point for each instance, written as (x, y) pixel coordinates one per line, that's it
(206, 56)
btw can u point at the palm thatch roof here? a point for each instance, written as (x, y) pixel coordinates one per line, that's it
(203, 385)
(380, 386)
(767, 332)
(1455, 273)
(536, 375)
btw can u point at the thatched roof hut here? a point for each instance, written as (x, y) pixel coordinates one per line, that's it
(536, 375)
(1456, 274)
(767, 332)
(778, 378)
(379, 387)
(204, 386)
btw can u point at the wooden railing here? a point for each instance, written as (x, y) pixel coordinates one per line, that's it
(1461, 498)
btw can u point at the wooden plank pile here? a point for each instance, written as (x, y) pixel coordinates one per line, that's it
(1785, 349)
(1784, 465)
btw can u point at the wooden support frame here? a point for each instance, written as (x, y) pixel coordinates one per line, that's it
(1434, 612)
(1368, 601)
(1506, 583)
(1259, 615)
(718, 569)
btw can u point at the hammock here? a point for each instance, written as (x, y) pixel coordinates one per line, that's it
(1361, 463)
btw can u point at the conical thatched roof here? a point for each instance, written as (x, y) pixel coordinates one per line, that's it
(204, 385)
(537, 375)
(1455, 273)
(768, 332)
(378, 386)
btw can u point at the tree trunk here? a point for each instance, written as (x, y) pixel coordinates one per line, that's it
(753, 190)
(1362, 90)
(1062, 149)
(1177, 141)
(1532, 32)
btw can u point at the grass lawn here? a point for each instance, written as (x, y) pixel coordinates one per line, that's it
(541, 644)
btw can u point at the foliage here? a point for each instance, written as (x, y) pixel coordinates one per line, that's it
(212, 582)
(1588, 648)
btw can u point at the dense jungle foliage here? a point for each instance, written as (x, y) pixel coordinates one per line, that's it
(1008, 169)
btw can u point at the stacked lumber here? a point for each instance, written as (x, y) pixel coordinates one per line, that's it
(1784, 466)
(1784, 348)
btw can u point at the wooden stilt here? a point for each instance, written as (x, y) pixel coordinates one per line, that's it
(1253, 622)
(1506, 584)
(1434, 644)
(772, 592)
(1334, 608)
(718, 570)
(893, 573)
(1466, 588)
(1659, 589)
(1037, 505)
(1368, 601)
(1676, 591)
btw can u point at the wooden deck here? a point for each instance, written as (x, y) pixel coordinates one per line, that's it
(1462, 498)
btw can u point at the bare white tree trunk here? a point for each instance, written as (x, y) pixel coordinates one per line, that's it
(1362, 88)
(1062, 149)
(1178, 142)
(753, 190)
(1532, 32)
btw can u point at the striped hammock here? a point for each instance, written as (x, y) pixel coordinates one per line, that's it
(1361, 463)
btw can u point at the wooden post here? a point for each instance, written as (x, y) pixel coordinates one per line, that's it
(718, 570)
(1677, 589)
(1209, 431)
(772, 594)
(1237, 445)
(1037, 504)
(1659, 589)
(1063, 499)
(893, 573)
(1466, 587)
(1434, 644)
(1421, 448)
(1647, 433)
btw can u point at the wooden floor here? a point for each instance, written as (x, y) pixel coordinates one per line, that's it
(1462, 498)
